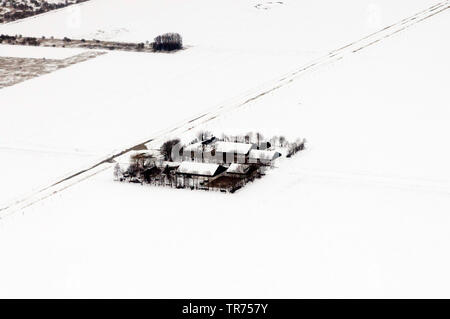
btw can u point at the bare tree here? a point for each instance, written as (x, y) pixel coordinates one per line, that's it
(297, 146)
(274, 140)
(118, 173)
(140, 160)
(203, 135)
(259, 138)
(249, 137)
(166, 148)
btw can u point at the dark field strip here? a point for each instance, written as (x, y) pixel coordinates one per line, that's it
(16, 70)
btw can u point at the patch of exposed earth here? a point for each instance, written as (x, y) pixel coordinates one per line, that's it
(15, 70)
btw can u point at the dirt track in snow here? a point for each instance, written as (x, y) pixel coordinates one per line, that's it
(236, 103)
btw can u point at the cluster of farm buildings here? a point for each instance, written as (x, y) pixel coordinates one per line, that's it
(208, 165)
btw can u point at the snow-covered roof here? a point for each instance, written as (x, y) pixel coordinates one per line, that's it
(263, 155)
(230, 147)
(205, 169)
(193, 147)
(238, 168)
(170, 164)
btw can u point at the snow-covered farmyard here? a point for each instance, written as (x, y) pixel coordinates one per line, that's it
(361, 213)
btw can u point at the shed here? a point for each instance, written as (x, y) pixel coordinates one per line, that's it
(194, 175)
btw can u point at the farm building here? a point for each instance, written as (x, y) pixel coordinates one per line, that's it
(229, 152)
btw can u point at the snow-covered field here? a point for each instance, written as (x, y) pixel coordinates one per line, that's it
(363, 212)
(27, 169)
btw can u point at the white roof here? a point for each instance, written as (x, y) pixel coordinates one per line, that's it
(170, 164)
(263, 155)
(195, 168)
(193, 147)
(238, 168)
(230, 147)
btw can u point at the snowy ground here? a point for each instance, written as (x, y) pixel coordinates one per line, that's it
(122, 93)
(27, 169)
(361, 213)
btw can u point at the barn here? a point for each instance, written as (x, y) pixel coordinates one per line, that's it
(194, 175)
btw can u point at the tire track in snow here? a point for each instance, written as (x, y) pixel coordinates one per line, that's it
(350, 178)
(240, 101)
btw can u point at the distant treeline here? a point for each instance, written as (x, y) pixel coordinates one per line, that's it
(165, 42)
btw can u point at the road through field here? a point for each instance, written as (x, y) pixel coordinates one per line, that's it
(215, 112)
